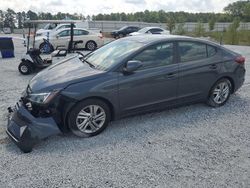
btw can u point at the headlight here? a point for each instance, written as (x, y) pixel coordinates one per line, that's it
(42, 98)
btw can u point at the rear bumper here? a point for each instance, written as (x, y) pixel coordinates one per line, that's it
(25, 130)
(240, 78)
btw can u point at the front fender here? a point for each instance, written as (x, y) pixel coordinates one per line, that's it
(105, 88)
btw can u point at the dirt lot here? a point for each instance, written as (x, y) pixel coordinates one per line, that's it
(192, 146)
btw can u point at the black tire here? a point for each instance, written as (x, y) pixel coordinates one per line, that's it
(26, 150)
(72, 118)
(91, 45)
(48, 49)
(211, 97)
(25, 68)
(121, 35)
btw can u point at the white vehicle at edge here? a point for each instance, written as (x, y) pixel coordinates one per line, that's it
(46, 30)
(90, 39)
(150, 30)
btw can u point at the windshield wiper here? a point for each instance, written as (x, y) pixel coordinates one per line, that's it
(90, 64)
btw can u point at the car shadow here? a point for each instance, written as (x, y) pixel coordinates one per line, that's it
(141, 129)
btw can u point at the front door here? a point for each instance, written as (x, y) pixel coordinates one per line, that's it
(154, 83)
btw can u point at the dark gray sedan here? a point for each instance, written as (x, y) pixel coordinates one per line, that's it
(125, 77)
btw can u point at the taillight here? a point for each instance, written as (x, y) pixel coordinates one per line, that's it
(240, 59)
(100, 36)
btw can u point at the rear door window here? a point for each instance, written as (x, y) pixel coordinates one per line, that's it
(211, 51)
(191, 51)
(156, 30)
(80, 32)
(64, 33)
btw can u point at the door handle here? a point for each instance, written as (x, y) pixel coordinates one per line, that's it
(170, 75)
(213, 66)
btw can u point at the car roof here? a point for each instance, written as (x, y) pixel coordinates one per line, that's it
(153, 38)
(152, 27)
(60, 30)
(147, 39)
(61, 25)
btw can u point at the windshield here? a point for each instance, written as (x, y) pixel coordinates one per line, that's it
(124, 27)
(143, 30)
(112, 53)
(49, 26)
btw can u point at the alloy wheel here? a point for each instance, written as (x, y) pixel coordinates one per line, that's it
(90, 119)
(24, 69)
(91, 46)
(221, 92)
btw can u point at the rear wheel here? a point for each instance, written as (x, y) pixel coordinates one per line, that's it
(91, 45)
(25, 68)
(220, 93)
(89, 118)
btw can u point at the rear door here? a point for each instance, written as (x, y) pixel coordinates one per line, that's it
(83, 35)
(154, 84)
(199, 67)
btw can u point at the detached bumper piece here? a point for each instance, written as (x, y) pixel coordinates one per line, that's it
(25, 130)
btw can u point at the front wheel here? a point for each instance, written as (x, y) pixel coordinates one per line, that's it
(220, 93)
(89, 118)
(91, 45)
(25, 68)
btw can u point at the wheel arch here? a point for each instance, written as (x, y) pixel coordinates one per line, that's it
(231, 81)
(110, 105)
(223, 77)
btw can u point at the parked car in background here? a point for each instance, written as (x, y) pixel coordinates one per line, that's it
(128, 76)
(150, 30)
(90, 40)
(46, 28)
(6, 30)
(124, 31)
(44, 32)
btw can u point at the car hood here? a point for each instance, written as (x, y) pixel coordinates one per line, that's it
(114, 31)
(42, 31)
(59, 76)
(134, 33)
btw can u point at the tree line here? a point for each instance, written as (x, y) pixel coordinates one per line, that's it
(239, 10)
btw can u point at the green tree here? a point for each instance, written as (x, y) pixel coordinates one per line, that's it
(19, 20)
(180, 30)
(170, 24)
(32, 15)
(239, 9)
(232, 36)
(9, 20)
(247, 12)
(199, 29)
(1, 19)
(211, 24)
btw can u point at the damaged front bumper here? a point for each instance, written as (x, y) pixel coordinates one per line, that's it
(26, 130)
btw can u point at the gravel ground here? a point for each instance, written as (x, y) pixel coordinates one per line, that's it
(191, 146)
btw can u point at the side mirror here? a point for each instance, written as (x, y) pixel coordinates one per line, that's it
(57, 36)
(132, 66)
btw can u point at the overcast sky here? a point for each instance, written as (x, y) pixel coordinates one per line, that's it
(93, 7)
